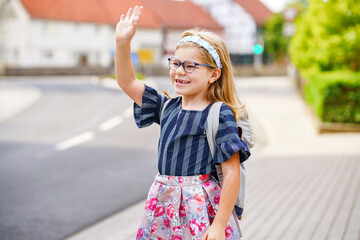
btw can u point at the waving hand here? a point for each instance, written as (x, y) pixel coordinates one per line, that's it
(126, 27)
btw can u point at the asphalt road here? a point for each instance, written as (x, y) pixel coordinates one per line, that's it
(71, 159)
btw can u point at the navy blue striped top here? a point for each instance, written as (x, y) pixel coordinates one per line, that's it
(183, 149)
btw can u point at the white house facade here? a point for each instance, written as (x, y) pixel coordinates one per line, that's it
(239, 25)
(28, 42)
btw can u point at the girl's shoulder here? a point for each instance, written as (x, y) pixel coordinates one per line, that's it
(226, 112)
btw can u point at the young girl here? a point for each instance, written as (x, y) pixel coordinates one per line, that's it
(185, 201)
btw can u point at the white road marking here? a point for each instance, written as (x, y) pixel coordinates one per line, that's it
(111, 123)
(74, 141)
(89, 135)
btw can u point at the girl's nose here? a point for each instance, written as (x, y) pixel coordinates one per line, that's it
(181, 70)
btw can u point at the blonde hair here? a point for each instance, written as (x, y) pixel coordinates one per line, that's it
(223, 89)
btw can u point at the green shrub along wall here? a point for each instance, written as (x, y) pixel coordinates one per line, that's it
(326, 49)
(334, 96)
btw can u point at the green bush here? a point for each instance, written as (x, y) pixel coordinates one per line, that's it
(327, 36)
(335, 96)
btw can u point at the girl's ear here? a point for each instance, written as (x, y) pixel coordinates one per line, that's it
(215, 75)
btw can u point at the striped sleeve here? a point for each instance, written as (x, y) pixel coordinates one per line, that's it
(228, 141)
(150, 110)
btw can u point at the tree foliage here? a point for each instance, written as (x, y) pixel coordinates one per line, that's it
(275, 42)
(328, 36)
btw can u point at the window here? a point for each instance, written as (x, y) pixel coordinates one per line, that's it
(48, 54)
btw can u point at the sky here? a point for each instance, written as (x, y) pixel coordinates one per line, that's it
(275, 5)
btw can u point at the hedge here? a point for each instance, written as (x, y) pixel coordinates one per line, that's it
(334, 96)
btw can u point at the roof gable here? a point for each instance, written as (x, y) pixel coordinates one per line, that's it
(181, 14)
(256, 9)
(156, 13)
(67, 10)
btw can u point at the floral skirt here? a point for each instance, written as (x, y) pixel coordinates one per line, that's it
(182, 208)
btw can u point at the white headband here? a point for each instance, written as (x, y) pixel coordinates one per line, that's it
(201, 42)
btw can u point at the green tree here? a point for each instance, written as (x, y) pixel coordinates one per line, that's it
(274, 39)
(328, 36)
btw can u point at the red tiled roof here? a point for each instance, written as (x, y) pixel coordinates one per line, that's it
(256, 9)
(74, 10)
(117, 7)
(181, 14)
(156, 13)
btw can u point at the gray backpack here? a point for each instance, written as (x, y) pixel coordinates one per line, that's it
(246, 134)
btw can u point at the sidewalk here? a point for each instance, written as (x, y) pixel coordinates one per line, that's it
(300, 185)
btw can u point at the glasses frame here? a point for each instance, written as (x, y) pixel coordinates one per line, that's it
(183, 64)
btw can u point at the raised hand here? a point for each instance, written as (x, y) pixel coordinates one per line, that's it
(126, 27)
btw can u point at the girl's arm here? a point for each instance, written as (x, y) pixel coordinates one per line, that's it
(125, 74)
(229, 193)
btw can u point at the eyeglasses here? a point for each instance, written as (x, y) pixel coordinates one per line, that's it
(189, 66)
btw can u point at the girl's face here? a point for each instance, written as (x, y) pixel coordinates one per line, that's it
(196, 83)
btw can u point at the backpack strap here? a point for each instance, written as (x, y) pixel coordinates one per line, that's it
(212, 126)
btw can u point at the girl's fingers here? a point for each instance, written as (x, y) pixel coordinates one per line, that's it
(134, 13)
(122, 17)
(138, 15)
(128, 14)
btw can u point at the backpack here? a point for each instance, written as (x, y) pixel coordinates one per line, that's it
(246, 134)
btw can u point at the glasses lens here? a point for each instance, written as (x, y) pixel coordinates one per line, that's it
(174, 63)
(189, 66)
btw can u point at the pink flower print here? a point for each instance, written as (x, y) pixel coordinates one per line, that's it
(203, 177)
(199, 210)
(159, 211)
(170, 211)
(202, 227)
(194, 228)
(200, 199)
(151, 204)
(176, 229)
(153, 228)
(181, 180)
(216, 187)
(140, 233)
(182, 211)
(228, 232)
(211, 211)
(167, 223)
(217, 199)
(174, 237)
(207, 184)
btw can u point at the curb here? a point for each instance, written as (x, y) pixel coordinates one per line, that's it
(14, 100)
(331, 127)
(120, 226)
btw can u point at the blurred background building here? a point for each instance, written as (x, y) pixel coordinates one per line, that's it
(77, 36)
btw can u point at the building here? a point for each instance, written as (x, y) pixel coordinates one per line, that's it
(242, 24)
(81, 33)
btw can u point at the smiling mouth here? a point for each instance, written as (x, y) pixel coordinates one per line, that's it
(181, 81)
